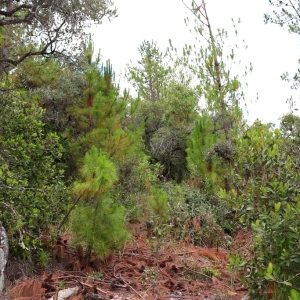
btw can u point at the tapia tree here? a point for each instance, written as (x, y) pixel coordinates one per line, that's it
(48, 28)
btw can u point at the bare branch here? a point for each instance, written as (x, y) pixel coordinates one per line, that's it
(16, 9)
(35, 53)
(27, 19)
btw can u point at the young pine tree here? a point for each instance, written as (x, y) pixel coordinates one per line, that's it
(211, 146)
(97, 223)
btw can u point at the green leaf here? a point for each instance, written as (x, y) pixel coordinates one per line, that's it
(269, 277)
(277, 206)
(270, 268)
(294, 295)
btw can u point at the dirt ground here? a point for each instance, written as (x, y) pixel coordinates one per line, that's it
(144, 269)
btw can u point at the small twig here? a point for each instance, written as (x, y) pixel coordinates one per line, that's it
(127, 284)
(93, 287)
(188, 252)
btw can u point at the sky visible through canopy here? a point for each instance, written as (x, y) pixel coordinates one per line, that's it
(271, 50)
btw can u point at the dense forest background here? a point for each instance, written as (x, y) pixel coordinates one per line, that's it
(79, 155)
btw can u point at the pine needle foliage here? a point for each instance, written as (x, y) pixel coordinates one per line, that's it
(201, 140)
(99, 228)
(98, 223)
(98, 172)
(158, 201)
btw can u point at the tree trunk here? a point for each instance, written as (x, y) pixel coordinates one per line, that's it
(3, 255)
(4, 53)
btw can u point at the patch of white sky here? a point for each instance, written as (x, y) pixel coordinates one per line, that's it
(271, 50)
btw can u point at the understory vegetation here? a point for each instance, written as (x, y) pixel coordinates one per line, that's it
(78, 155)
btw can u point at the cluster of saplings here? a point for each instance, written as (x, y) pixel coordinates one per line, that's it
(80, 155)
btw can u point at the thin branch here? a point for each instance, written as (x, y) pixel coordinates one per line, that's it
(296, 11)
(68, 213)
(36, 53)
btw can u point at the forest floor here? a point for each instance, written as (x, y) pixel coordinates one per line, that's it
(144, 269)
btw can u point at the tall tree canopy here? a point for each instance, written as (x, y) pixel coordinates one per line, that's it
(286, 14)
(43, 27)
(151, 75)
(167, 109)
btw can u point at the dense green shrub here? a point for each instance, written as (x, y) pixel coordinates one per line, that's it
(266, 199)
(276, 258)
(33, 196)
(195, 217)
